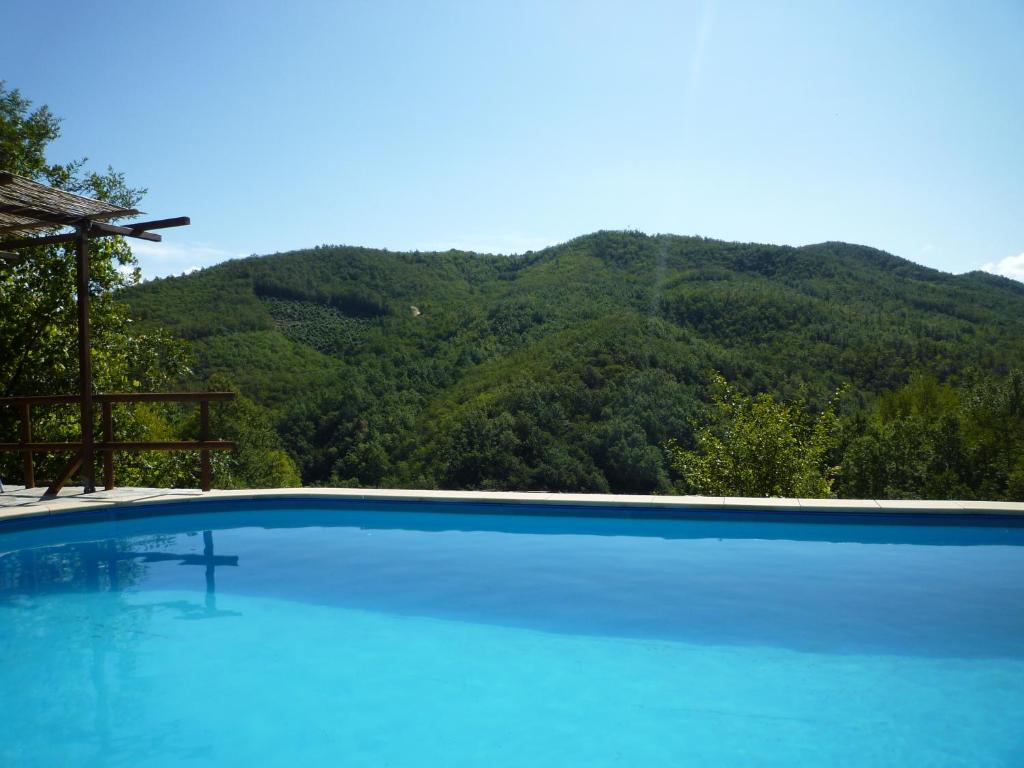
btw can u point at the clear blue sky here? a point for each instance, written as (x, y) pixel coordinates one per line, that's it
(505, 127)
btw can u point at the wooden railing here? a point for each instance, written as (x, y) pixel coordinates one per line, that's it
(108, 446)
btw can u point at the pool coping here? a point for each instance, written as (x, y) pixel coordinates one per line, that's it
(19, 503)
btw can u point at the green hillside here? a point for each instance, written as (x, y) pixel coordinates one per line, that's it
(569, 368)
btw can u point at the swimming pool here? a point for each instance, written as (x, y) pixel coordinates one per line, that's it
(311, 633)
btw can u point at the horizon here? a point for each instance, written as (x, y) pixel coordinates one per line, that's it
(511, 129)
(511, 255)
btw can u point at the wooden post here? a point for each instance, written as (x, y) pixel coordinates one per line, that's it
(85, 356)
(26, 437)
(108, 437)
(204, 435)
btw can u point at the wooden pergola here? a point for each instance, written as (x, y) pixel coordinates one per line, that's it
(52, 216)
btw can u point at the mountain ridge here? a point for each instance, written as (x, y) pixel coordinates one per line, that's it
(606, 339)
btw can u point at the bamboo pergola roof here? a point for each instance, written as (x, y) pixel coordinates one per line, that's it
(28, 206)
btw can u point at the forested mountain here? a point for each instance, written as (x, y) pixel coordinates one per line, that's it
(570, 368)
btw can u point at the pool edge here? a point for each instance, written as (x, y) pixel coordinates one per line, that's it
(35, 511)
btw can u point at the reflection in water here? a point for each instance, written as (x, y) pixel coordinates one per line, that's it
(104, 634)
(911, 592)
(113, 565)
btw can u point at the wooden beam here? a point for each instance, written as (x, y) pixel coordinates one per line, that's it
(162, 397)
(84, 356)
(169, 445)
(142, 226)
(108, 437)
(68, 237)
(99, 228)
(26, 437)
(204, 436)
(133, 446)
(121, 397)
(69, 470)
(47, 446)
(35, 215)
(32, 242)
(38, 399)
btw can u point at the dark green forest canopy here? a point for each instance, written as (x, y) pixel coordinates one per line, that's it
(567, 368)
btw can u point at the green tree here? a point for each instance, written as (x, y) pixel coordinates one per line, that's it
(38, 326)
(757, 446)
(258, 460)
(38, 323)
(928, 440)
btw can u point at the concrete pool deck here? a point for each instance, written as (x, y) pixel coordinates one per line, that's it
(19, 503)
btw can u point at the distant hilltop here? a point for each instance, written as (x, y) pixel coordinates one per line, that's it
(567, 367)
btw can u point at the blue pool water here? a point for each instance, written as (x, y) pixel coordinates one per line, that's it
(351, 636)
